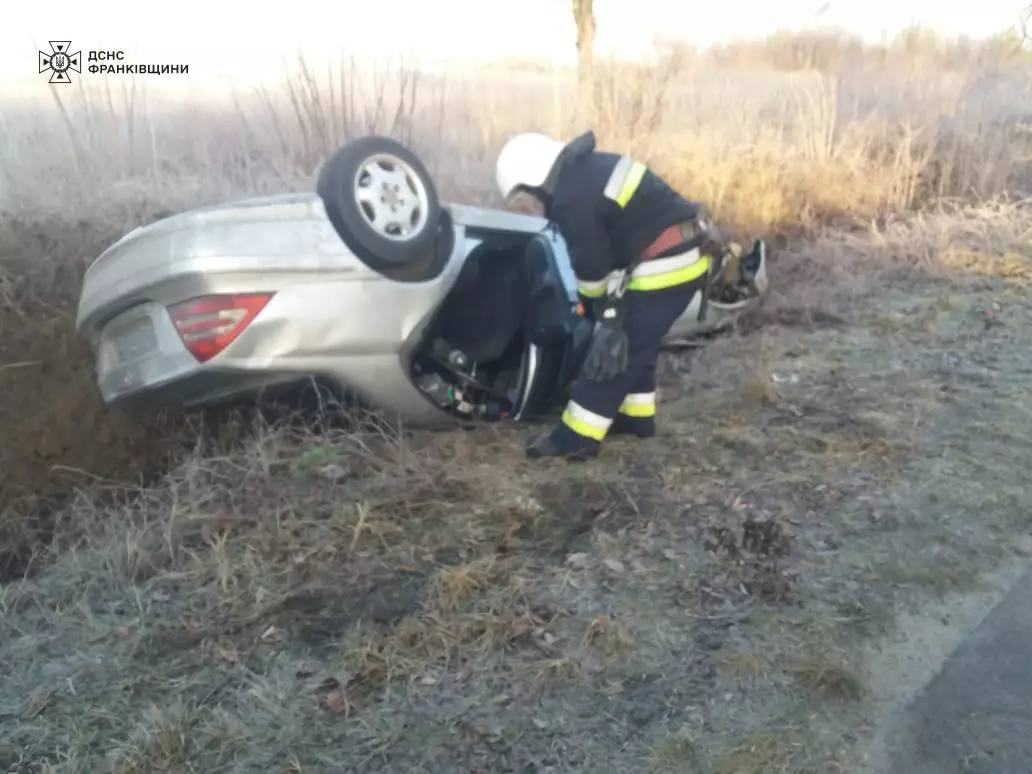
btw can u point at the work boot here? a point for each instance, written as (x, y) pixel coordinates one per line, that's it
(643, 427)
(564, 443)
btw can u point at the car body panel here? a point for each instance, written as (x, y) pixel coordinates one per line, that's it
(715, 316)
(330, 316)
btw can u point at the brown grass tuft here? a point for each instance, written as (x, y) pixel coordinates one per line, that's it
(766, 752)
(452, 586)
(829, 677)
(678, 752)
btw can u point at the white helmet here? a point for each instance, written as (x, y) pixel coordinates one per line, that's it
(526, 159)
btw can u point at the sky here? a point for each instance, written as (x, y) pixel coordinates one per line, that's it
(231, 41)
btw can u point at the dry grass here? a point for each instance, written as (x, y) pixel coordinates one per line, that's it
(678, 752)
(937, 575)
(451, 586)
(297, 599)
(783, 751)
(828, 678)
(826, 664)
(760, 386)
(679, 606)
(859, 136)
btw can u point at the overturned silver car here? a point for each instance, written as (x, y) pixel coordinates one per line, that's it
(371, 287)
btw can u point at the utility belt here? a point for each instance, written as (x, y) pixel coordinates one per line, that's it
(675, 257)
(687, 234)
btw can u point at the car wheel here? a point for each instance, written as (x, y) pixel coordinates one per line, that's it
(384, 206)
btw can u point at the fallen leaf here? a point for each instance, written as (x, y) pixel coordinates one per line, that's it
(613, 565)
(268, 633)
(545, 638)
(577, 561)
(520, 626)
(336, 701)
(428, 680)
(40, 704)
(227, 654)
(539, 723)
(597, 628)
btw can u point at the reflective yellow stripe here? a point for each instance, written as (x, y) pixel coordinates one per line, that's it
(598, 288)
(617, 177)
(582, 428)
(639, 404)
(640, 398)
(624, 180)
(585, 423)
(668, 264)
(670, 278)
(631, 183)
(592, 289)
(638, 411)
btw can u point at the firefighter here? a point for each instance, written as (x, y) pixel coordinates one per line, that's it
(641, 255)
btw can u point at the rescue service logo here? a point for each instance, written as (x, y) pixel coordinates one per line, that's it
(60, 61)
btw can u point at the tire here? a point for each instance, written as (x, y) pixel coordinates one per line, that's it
(383, 204)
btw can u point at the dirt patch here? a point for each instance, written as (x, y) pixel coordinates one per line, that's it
(55, 428)
(808, 319)
(55, 433)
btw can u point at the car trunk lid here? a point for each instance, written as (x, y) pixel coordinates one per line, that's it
(265, 239)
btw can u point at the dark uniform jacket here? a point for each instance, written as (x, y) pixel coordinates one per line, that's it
(609, 208)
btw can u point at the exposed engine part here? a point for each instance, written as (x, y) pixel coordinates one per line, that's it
(454, 358)
(459, 392)
(733, 274)
(435, 388)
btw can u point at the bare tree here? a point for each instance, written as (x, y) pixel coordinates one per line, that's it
(1025, 21)
(584, 18)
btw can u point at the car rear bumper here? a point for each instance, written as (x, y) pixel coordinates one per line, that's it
(142, 362)
(208, 388)
(140, 350)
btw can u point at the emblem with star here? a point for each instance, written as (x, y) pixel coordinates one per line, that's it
(59, 61)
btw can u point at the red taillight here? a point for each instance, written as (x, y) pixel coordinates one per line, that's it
(208, 325)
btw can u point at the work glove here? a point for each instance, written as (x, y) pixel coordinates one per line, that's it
(607, 357)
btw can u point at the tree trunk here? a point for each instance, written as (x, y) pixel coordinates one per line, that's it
(584, 18)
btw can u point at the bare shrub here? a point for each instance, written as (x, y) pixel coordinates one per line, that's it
(786, 133)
